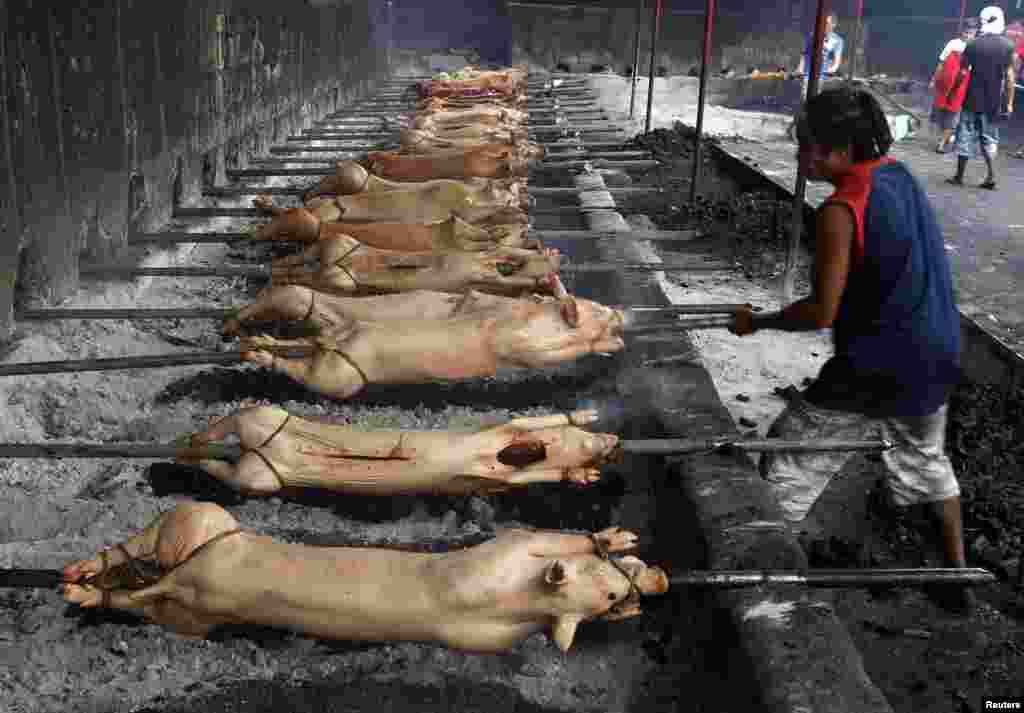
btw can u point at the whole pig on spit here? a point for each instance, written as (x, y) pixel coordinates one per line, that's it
(476, 201)
(433, 141)
(351, 178)
(331, 313)
(345, 266)
(530, 335)
(435, 117)
(504, 226)
(486, 598)
(491, 160)
(282, 452)
(437, 105)
(476, 83)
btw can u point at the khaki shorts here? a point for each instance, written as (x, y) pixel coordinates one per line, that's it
(917, 468)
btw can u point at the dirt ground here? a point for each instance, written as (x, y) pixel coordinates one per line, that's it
(921, 657)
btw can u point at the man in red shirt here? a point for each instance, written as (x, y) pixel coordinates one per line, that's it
(946, 108)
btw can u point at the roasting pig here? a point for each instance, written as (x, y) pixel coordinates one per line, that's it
(282, 451)
(433, 105)
(492, 116)
(486, 161)
(423, 142)
(486, 598)
(346, 266)
(430, 202)
(330, 313)
(531, 335)
(454, 234)
(351, 178)
(487, 83)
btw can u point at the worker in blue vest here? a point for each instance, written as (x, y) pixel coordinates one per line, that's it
(882, 282)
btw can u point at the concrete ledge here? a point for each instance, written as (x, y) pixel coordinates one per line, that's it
(799, 654)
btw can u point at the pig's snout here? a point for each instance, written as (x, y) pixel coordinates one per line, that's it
(655, 581)
(649, 580)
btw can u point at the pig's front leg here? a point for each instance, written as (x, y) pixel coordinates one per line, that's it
(169, 540)
(546, 543)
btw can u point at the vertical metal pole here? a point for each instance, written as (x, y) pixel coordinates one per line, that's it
(858, 38)
(389, 19)
(963, 15)
(789, 277)
(709, 22)
(655, 28)
(636, 56)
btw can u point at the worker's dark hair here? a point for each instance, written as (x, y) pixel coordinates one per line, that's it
(846, 118)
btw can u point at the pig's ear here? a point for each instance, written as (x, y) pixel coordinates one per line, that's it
(556, 574)
(564, 630)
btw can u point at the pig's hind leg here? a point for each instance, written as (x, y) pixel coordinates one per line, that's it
(170, 540)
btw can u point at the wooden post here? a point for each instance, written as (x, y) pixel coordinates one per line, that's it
(10, 245)
(58, 102)
(13, 213)
(127, 122)
(159, 91)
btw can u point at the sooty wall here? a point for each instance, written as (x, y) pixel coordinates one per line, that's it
(113, 110)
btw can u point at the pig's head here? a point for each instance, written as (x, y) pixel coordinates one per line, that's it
(586, 587)
(596, 316)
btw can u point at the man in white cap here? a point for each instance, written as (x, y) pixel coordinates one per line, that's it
(989, 60)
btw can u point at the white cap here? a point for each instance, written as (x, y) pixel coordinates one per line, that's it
(993, 22)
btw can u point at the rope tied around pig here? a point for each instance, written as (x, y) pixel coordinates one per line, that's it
(634, 591)
(140, 571)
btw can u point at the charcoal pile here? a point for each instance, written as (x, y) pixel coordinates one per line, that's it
(985, 439)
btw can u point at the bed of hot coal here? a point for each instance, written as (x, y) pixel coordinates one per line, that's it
(678, 653)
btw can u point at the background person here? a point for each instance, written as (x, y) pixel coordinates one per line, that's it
(882, 281)
(946, 107)
(831, 52)
(989, 61)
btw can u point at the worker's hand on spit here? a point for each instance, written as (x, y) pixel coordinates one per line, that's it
(743, 322)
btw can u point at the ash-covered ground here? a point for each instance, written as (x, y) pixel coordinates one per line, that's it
(58, 658)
